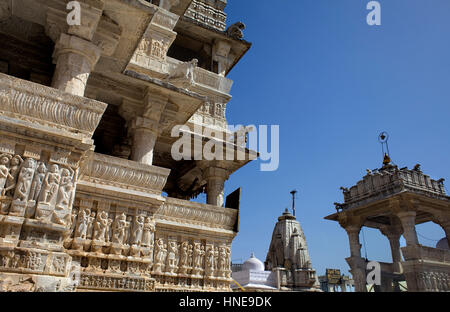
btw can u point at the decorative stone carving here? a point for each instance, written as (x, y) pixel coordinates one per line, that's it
(236, 31)
(148, 233)
(82, 227)
(160, 256)
(138, 230)
(38, 180)
(119, 228)
(115, 172)
(183, 74)
(101, 227)
(11, 180)
(172, 254)
(26, 101)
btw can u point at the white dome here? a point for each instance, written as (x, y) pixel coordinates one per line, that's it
(253, 264)
(443, 244)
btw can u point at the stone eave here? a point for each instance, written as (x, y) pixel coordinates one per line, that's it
(381, 207)
(149, 81)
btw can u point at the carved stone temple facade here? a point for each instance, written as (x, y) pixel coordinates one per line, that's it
(394, 201)
(288, 257)
(86, 113)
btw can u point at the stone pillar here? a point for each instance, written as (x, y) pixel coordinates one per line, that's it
(353, 237)
(75, 58)
(393, 235)
(145, 134)
(356, 263)
(408, 220)
(215, 186)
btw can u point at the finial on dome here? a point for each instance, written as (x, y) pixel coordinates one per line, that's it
(252, 255)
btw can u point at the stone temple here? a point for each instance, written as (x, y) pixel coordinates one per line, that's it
(90, 197)
(288, 256)
(287, 267)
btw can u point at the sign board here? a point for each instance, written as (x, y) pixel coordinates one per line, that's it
(233, 201)
(333, 276)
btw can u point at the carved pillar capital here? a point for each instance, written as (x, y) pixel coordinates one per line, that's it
(75, 58)
(58, 16)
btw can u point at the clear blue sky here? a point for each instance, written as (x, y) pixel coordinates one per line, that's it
(333, 84)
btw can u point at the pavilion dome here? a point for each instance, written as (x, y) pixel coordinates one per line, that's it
(443, 244)
(253, 264)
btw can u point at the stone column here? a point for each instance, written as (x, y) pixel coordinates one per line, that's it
(215, 186)
(75, 58)
(353, 237)
(393, 235)
(145, 134)
(408, 220)
(356, 263)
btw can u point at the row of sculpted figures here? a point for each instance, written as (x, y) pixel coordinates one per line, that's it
(34, 189)
(115, 233)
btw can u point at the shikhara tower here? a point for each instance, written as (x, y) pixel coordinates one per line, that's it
(86, 114)
(288, 256)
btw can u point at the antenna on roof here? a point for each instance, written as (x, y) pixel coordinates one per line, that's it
(293, 201)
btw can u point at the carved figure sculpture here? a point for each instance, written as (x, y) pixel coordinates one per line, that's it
(119, 229)
(51, 184)
(90, 225)
(24, 180)
(160, 255)
(66, 187)
(82, 224)
(138, 230)
(11, 180)
(4, 172)
(100, 226)
(172, 257)
(148, 234)
(236, 31)
(37, 181)
(184, 254)
(185, 71)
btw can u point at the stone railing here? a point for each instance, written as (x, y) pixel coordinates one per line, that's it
(390, 181)
(204, 78)
(426, 253)
(48, 107)
(124, 174)
(207, 15)
(186, 212)
(212, 80)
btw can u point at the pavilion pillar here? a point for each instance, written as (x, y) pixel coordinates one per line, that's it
(393, 235)
(353, 237)
(75, 58)
(356, 263)
(145, 135)
(215, 187)
(408, 220)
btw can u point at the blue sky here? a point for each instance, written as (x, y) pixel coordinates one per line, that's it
(333, 84)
